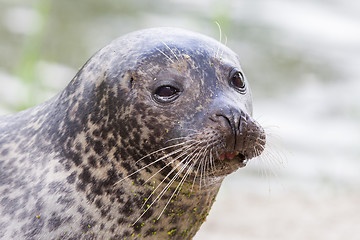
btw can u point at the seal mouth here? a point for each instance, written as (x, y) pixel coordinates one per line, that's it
(228, 162)
(231, 155)
(234, 156)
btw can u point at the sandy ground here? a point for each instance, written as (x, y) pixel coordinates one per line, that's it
(242, 213)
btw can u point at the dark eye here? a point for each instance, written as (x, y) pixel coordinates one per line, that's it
(237, 81)
(166, 93)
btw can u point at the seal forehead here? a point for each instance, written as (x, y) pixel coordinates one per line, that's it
(138, 45)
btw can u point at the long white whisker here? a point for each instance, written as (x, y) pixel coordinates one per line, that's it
(222, 52)
(186, 137)
(199, 154)
(159, 196)
(165, 55)
(160, 150)
(157, 160)
(170, 50)
(184, 150)
(181, 183)
(220, 33)
(190, 147)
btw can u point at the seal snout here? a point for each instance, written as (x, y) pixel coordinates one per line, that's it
(243, 137)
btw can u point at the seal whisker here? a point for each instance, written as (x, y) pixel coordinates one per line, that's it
(177, 187)
(157, 160)
(202, 171)
(160, 150)
(267, 169)
(189, 137)
(183, 149)
(222, 52)
(159, 196)
(212, 160)
(210, 156)
(220, 36)
(170, 50)
(180, 184)
(207, 166)
(269, 159)
(273, 157)
(191, 147)
(278, 157)
(165, 55)
(201, 152)
(163, 191)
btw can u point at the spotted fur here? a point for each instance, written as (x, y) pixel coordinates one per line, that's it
(104, 160)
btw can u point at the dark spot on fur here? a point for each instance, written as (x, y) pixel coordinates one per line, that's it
(10, 205)
(97, 188)
(75, 157)
(85, 175)
(123, 152)
(112, 177)
(147, 214)
(68, 201)
(137, 227)
(92, 161)
(5, 152)
(80, 209)
(127, 166)
(111, 143)
(127, 208)
(54, 222)
(87, 223)
(98, 147)
(116, 237)
(71, 178)
(119, 195)
(136, 137)
(78, 146)
(150, 232)
(96, 133)
(166, 171)
(121, 221)
(33, 228)
(57, 186)
(105, 211)
(81, 186)
(98, 203)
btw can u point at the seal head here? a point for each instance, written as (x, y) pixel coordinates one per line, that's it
(137, 144)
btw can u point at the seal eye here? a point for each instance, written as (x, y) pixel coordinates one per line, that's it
(237, 81)
(166, 93)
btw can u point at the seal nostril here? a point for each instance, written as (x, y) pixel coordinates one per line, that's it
(230, 126)
(228, 121)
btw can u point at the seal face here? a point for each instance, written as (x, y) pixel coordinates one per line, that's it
(136, 146)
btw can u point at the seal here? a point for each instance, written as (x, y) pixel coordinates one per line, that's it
(135, 147)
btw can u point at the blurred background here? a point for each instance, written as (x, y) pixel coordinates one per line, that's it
(302, 59)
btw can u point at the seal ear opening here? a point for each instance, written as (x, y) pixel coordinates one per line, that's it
(131, 82)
